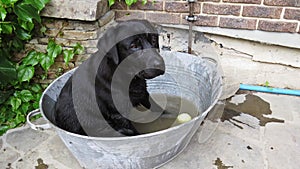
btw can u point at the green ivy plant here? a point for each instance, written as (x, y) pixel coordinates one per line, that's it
(18, 92)
(128, 2)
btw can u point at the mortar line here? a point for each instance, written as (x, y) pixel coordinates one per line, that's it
(282, 13)
(242, 9)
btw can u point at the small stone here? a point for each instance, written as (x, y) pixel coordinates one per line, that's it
(76, 10)
(106, 18)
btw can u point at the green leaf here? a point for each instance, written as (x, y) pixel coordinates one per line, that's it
(36, 88)
(25, 73)
(4, 95)
(25, 107)
(129, 2)
(38, 96)
(36, 105)
(111, 2)
(15, 103)
(26, 96)
(145, 1)
(20, 118)
(38, 4)
(40, 55)
(27, 12)
(3, 129)
(53, 49)
(32, 58)
(28, 26)
(46, 62)
(78, 49)
(6, 28)
(8, 2)
(43, 29)
(68, 55)
(22, 34)
(8, 71)
(267, 84)
(17, 43)
(2, 13)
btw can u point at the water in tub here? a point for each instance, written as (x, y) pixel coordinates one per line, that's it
(179, 111)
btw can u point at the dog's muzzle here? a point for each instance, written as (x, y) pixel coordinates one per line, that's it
(150, 73)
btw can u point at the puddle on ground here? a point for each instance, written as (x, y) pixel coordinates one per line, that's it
(41, 164)
(172, 104)
(220, 165)
(254, 106)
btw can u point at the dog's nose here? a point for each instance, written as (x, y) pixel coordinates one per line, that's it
(157, 68)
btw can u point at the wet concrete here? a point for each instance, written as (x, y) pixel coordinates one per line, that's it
(253, 106)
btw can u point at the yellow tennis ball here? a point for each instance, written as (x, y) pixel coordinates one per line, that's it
(183, 118)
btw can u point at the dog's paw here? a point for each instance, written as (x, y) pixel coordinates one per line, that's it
(171, 115)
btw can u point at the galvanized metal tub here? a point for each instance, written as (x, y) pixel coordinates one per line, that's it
(190, 77)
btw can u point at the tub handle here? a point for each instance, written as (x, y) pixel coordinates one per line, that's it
(36, 126)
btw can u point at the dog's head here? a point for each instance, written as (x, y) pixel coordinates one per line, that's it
(141, 51)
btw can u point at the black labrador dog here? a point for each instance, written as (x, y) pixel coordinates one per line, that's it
(134, 45)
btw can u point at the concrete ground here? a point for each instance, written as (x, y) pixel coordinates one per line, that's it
(256, 131)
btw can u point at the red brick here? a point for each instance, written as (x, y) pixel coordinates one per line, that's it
(276, 26)
(181, 7)
(294, 3)
(221, 9)
(262, 12)
(244, 1)
(167, 18)
(292, 14)
(203, 20)
(127, 15)
(150, 5)
(238, 23)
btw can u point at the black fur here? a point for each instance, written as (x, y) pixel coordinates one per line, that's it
(65, 115)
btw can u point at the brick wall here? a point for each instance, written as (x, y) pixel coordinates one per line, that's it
(264, 15)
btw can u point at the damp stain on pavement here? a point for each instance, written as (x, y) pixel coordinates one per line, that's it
(218, 162)
(41, 164)
(254, 106)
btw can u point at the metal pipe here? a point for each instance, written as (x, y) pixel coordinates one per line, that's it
(270, 90)
(191, 13)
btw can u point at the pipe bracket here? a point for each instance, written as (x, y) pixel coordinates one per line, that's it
(191, 18)
(191, 1)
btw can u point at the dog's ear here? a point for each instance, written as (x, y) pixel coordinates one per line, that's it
(113, 55)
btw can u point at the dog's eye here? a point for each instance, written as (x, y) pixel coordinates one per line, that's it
(133, 46)
(136, 44)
